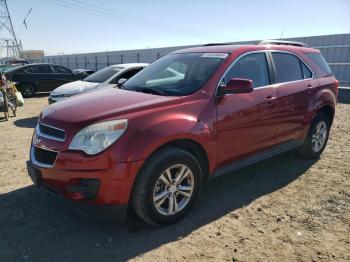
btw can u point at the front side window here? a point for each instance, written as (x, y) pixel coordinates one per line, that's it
(130, 73)
(126, 75)
(61, 69)
(287, 66)
(253, 67)
(176, 74)
(103, 74)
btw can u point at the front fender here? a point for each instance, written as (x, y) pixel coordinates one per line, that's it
(146, 133)
(154, 134)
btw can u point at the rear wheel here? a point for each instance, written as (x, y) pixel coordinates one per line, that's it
(27, 90)
(317, 137)
(166, 187)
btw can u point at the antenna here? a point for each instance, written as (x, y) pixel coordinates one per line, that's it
(8, 37)
(281, 34)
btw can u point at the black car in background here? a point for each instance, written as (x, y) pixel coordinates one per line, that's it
(33, 78)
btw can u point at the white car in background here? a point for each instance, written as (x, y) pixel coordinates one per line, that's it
(104, 78)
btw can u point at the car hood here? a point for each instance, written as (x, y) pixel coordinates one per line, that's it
(100, 105)
(74, 87)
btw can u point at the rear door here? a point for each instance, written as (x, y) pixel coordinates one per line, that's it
(245, 121)
(42, 76)
(294, 80)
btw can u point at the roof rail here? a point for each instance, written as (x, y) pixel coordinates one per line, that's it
(213, 44)
(282, 42)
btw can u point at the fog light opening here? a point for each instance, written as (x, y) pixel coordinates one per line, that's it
(83, 188)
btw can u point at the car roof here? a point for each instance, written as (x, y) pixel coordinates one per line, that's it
(81, 69)
(231, 48)
(39, 64)
(130, 65)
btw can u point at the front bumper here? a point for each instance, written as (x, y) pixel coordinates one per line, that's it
(106, 212)
(110, 195)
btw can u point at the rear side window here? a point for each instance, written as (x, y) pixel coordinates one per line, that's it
(288, 67)
(253, 67)
(320, 61)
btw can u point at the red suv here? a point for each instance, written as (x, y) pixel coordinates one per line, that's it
(191, 116)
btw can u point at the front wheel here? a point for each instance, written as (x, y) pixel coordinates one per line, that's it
(167, 186)
(317, 137)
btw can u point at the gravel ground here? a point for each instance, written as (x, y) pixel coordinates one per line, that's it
(281, 209)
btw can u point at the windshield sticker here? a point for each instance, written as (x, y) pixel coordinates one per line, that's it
(215, 55)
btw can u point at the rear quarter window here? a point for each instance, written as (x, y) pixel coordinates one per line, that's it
(320, 61)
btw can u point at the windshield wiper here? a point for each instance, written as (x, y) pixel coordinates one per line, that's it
(150, 90)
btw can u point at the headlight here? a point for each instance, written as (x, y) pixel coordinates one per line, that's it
(97, 137)
(54, 94)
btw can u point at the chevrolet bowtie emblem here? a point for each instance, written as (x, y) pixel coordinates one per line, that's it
(36, 140)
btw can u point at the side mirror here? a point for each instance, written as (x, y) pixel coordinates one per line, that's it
(237, 86)
(121, 81)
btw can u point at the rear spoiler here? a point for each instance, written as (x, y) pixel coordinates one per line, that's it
(282, 42)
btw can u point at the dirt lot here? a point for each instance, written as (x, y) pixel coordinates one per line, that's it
(282, 209)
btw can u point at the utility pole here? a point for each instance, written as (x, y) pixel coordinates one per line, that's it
(7, 33)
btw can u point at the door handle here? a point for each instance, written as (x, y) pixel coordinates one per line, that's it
(270, 99)
(310, 88)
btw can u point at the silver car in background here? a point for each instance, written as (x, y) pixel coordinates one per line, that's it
(104, 78)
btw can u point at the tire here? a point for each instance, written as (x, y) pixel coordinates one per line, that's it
(27, 90)
(316, 139)
(152, 186)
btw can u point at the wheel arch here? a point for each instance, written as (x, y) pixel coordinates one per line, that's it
(329, 111)
(191, 146)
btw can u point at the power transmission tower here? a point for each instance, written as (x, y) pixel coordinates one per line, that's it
(8, 38)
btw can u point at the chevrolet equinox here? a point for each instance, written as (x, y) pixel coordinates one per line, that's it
(191, 116)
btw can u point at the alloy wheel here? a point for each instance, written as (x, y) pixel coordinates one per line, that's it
(319, 136)
(173, 190)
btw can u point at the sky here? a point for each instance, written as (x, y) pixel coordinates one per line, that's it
(80, 26)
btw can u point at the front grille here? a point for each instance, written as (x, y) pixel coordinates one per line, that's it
(44, 157)
(51, 132)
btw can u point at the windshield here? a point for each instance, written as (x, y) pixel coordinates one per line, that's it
(103, 74)
(15, 68)
(176, 74)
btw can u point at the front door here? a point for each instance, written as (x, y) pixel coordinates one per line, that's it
(245, 121)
